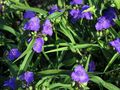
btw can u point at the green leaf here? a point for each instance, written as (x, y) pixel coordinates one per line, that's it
(58, 85)
(111, 61)
(29, 47)
(103, 83)
(78, 46)
(26, 61)
(9, 29)
(54, 72)
(117, 3)
(55, 15)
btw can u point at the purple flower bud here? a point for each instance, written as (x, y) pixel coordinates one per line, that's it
(116, 44)
(74, 2)
(29, 14)
(10, 83)
(75, 15)
(37, 47)
(28, 77)
(13, 54)
(53, 9)
(47, 28)
(92, 66)
(87, 15)
(79, 75)
(33, 24)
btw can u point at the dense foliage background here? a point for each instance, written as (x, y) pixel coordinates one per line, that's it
(71, 44)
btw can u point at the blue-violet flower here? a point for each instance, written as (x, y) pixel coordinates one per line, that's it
(92, 66)
(33, 24)
(75, 2)
(28, 77)
(47, 28)
(29, 14)
(116, 44)
(10, 83)
(79, 75)
(37, 47)
(13, 54)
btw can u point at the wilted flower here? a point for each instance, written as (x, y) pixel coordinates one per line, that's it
(92, 66)
(33, 24)
(28, 77)
(53, 9)
(116, 44)
(74, 2)
(106, 21)
(86, 15)
(10, 83)
(79, 75)
(14, 53)
(37, 47)
(47, 28)
(29, 14)
(75, 15)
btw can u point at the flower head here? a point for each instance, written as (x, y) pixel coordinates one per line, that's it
(80, 75)
(28, 77)
(14, 53)
(103, 23)
(92, 66)
(106, 21)
(75, 15)
(10, 83)
(29, 14)
(33, 24)
(87, 15)
(53, 9)
(37, 47)
(116, 44)
(74, 2)
(47, 28)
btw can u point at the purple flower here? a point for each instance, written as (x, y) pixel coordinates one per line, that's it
(53, 9)
(106, 21)
(47, 28)
(29, 14)
(74, 2)
(110, 13)
(103, 23)
(33, 24)
(14, 53)
(116, 44)
(28, 77)
(87, 15)
(10, 83)
(75, 15)
(79, 75)
(37, 47)
(92, 66)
